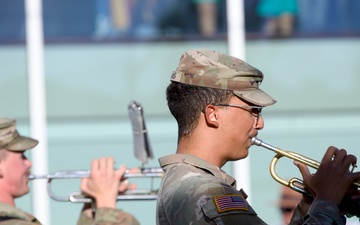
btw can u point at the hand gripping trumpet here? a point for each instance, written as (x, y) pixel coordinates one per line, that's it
(142, 152)
(294, 183)
(77, 197)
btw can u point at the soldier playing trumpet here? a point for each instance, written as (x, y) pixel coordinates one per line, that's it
(217, 102)
(103, 184)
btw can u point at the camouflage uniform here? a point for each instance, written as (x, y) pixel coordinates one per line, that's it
(14, 216)
(194, 191)
(106, 216)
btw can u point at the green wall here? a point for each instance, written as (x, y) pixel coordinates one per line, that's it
(89, 86)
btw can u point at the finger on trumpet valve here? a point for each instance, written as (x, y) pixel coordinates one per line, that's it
(294, 156)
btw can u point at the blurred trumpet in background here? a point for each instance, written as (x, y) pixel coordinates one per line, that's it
(142, 151)
(77, 197)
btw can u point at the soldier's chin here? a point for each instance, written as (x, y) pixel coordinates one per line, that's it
(27, 191)
(242, 156)
(24, 192)
(245, 155)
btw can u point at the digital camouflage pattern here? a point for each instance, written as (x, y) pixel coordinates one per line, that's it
(11, 139)
(190, 188)
(212, 69)
(320, 213)
(107, 216)
(10, 215)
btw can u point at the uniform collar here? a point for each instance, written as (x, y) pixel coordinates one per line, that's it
(9, 210)
(200, 163)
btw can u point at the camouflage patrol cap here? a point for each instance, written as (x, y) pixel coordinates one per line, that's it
(11, 140)
(207, 68)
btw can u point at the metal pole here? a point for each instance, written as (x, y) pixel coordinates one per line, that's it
(37, 106)
(236, 47)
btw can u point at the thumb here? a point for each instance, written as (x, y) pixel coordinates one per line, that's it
(83, 184)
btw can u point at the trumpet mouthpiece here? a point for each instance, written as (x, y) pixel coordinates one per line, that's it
(256, 141)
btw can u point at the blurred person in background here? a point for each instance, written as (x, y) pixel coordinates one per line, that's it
(207, 16)
(196, 18)
(102, 185)
(278, 17)
(287, 203)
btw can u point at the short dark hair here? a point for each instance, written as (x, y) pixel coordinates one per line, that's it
(186, 102)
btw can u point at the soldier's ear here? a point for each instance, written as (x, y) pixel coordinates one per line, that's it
(211, 115)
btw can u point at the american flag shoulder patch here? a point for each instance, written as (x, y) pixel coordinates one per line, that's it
(230, 202)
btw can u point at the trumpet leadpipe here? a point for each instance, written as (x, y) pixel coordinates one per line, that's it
(145, 194)
(291, 155)
(73, 174)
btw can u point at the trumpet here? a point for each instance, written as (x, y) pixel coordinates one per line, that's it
(294, 183)
(77, 197)
(142, 152)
